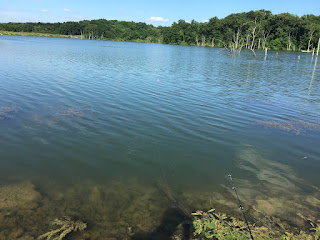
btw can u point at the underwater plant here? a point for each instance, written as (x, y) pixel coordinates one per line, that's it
(4, 111)
(67, 226)
(291, 125)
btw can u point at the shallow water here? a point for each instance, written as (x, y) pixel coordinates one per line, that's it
(92, 127)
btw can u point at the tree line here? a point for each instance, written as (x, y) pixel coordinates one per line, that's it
(252, 30)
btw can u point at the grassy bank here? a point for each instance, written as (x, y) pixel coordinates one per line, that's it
(34, 34)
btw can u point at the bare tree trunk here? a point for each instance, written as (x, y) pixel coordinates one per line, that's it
(203, 41)
(82, 33)
(225, 46)
(310, 38)
(236, 39)
(247, 42)
(289, 42)
(237, 44)
(253, 34)
(312, 52)
(197, 41)
(265, 53)
(252, 45)
(265, 35)
(254, 53)
(318, 47)
(259, 43)
(212, 42)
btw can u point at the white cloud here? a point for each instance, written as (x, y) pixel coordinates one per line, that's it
(159, 19)
(66, 10)
(44, 10)
(205, 20)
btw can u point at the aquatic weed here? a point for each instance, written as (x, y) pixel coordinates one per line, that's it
(67, 226)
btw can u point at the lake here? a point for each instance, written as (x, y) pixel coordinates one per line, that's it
(112, 133)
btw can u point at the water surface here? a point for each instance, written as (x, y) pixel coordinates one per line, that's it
(94, 126)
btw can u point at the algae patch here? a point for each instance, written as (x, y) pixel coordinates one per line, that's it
(291, 125)
(6, 111)
(19, 196)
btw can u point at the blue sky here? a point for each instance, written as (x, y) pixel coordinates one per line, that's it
(161, 12)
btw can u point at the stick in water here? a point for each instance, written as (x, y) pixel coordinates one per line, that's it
(241, 208)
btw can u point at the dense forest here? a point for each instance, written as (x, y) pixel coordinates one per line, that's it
(252, 30)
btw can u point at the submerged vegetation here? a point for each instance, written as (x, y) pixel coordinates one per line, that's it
(291, 125)
(252, 30)
(66, 226)
(127, 211)
(6, 111)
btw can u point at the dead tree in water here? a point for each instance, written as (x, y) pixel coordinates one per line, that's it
(197, 41)
(310, 37)
(225, 46)
(266, 53)
(289, 41)
(238, 41)
(318, 47)
(253, 34)
(82, 33)
(203, 41)
(265, 35)
(212, 41)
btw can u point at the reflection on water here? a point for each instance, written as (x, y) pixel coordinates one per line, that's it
(312, 76)
(129, 137)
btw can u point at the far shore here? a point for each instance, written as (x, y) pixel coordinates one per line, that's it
(35, 34)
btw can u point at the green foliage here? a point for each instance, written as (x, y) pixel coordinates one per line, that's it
(213, 225)
(278, 32)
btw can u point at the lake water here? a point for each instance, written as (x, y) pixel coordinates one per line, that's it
(105, 131)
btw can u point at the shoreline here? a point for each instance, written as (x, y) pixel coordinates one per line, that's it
(34, 34)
